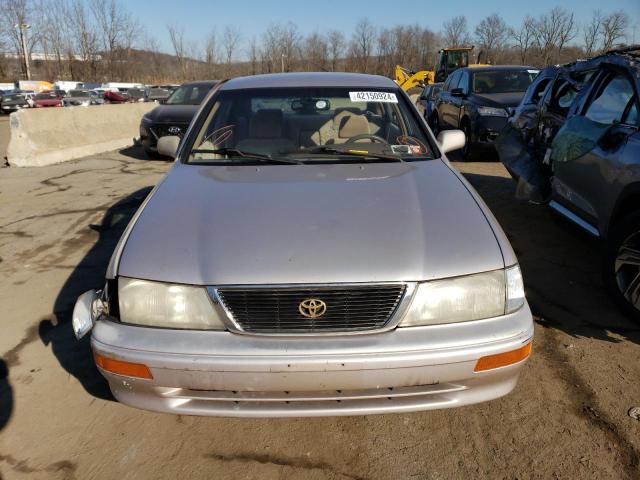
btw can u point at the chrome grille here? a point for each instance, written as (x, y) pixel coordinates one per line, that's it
(276, 310)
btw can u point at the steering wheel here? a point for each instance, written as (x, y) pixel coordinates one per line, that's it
(367, 136)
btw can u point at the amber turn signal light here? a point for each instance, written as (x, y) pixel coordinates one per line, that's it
(503, 359)
(119, 367)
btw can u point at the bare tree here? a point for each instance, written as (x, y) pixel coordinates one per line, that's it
(524, 38)
(362, 43)
(316, 52)
(553, 30)
(117, 30)
(176, 35)
(230, 40)
(491, 33)
(336, 44)
(591, 33)
(455, 31)
(614, 27)
(211, 53)
(281, 44)
(254, 55)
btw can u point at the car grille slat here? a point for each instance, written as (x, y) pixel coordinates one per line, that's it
(276, 310)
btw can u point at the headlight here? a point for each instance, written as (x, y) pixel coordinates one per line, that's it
(462, 299)
(157, 304)
(492, 112)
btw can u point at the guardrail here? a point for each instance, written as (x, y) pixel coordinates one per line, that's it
(44, 136)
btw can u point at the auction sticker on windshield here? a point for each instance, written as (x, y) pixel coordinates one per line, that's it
(384, 97)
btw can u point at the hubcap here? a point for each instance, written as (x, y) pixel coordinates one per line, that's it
(627, 269)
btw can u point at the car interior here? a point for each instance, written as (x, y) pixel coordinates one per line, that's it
(282, 125)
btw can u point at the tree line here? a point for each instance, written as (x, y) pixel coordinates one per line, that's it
(100, 40)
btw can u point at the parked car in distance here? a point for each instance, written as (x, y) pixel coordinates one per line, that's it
(173, 116)
(426, 100)
(478, 100)
(14, 102)
(111, 96)
(47, 99)
(574, 143)
(157, 94)
(264, 276)
(82, 98)
(137, 94)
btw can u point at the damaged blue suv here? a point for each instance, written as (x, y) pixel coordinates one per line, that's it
(574, 143)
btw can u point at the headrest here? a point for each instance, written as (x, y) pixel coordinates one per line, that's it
(352, 125)
(266, 124)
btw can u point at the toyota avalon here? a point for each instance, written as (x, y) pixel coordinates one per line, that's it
(311, 252)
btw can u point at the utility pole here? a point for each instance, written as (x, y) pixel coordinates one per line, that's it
(282, 60)
(23, 40)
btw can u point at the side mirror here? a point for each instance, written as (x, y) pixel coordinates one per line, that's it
(457, 92)
(450, 140)
(168, 146)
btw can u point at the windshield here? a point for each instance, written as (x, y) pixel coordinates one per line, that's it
(79, 94)
(188, 95)
(457, 59)
(503, 81)
(46, 96)
(299, 125)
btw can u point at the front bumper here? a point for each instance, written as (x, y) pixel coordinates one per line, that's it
(487, 129)
(228, 374)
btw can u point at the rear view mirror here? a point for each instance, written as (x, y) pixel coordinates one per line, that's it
(168, 146)
(450, 140)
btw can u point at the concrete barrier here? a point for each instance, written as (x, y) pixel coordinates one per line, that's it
(44, 136)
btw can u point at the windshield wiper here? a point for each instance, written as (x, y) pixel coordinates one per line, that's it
(234, 152)
(351, 152)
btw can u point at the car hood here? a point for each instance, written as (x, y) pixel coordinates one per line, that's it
(280, 224)
(172, 113)
(511, 99)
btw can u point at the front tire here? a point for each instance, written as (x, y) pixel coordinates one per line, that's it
(467, 151)
(621, 265)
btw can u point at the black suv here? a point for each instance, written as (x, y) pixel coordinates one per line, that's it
(574, 143)
(478, 101)
(174, 115)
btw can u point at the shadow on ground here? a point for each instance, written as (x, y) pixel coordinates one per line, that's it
(137, 152)
(75, 356)
(560, 265)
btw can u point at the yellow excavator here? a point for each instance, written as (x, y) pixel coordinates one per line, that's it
(449, 59)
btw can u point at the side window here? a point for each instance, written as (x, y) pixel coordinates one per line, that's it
(447, 83)
(611, 100)
(536, 95)
(632, 115)
(464, 82)
(454, 79)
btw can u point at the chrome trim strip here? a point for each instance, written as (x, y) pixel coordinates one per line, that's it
(394, 319)
(565, 212)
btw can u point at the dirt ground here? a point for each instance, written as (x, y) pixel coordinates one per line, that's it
(566, 419)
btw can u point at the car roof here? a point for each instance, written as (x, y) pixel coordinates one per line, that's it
(200, 83)
(488, 68)
(309, 79)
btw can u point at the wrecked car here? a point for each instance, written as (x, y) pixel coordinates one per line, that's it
(574, 144)
(298, 260)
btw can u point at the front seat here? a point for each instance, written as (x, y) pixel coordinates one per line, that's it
(349, 125)
(266, 133)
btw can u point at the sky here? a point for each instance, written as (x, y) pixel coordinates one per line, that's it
(252, 17)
